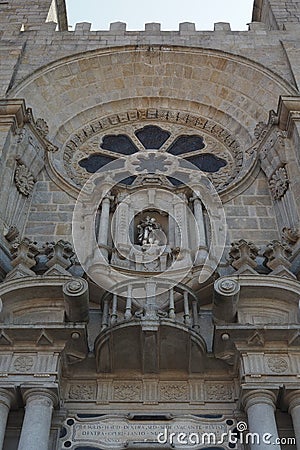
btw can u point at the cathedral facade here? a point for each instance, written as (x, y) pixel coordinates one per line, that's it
(149, 233)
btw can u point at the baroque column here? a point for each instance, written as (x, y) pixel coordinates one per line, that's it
(293, 399)
(36, 426)
(6, 398)
(260, 408)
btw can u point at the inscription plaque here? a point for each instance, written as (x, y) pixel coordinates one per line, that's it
(113, 432)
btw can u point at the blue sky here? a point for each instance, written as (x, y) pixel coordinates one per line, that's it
(168, 12)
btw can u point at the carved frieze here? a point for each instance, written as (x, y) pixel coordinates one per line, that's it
(127, 392)
(173, 392)
(82, 392)
(219, 392)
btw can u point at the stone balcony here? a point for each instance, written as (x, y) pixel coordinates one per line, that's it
(150, 327)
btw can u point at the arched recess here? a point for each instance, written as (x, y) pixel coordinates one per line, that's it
(232, 85)
(232, 91)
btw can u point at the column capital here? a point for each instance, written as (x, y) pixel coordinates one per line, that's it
(255, 396)
(7, 395)
(292, 399)
(40, 394)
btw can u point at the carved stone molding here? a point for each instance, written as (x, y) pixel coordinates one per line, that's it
(14, 114)
(279, 183)
(40, 129)
(288, 112)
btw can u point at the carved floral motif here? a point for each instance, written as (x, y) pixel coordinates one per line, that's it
(277, 365)
(279, 183)
(127, 391)
(42, 126)
(23, 363)
(24, 180)
(174, 392)
(82, 392)
(219, 392)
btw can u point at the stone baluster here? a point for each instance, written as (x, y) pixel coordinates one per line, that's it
(114, 313)
(39, 404)
(293, 399)
(6, 398)
(187, 317)
(128, 313)
(171, 304)
(104, 225)
(105, 313)
(260, 408)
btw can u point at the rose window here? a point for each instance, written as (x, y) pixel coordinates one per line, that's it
(191, 147)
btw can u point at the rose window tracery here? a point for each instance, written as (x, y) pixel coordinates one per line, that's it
(223, 155)
(191, 147)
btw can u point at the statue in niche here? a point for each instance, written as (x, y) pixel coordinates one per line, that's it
(147, 231)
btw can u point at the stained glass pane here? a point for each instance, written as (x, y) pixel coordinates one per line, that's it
(152, 137)
(95, 162)
(207, 162)
(186, 144)
(119, 144)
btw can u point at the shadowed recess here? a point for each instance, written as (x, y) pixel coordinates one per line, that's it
(152, 137)
(186, 144)
(119, 144)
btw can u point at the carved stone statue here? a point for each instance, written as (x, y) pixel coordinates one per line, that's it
(146, 231)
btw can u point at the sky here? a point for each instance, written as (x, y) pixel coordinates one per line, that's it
(167, 12)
